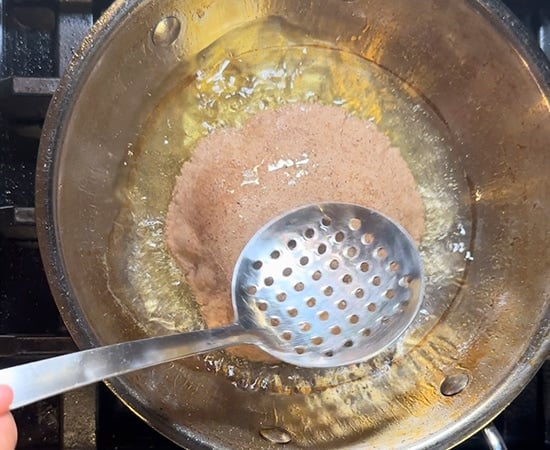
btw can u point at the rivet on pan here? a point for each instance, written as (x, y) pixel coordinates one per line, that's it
(454, 383)
(166, 31)
(276, 435)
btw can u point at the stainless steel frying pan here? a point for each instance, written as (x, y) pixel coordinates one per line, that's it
(483, 332)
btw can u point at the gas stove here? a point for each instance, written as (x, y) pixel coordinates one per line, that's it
(37, 38)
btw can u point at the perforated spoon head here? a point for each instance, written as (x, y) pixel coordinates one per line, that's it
(328, 284)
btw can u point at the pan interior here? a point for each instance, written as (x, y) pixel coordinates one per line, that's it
(255, 67)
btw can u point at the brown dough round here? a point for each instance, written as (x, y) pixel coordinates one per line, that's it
(240, 178)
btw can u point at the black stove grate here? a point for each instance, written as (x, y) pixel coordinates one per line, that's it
(37, 38)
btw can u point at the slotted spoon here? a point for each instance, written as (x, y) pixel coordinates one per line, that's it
(324, 285)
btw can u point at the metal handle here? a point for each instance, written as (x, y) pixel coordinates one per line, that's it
(493, 438)
(42, 379)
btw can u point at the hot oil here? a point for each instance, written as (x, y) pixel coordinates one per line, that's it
(265, 65)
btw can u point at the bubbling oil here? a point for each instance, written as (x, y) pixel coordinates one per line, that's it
(261, 66)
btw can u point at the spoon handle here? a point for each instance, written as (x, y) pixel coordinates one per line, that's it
(42, 379)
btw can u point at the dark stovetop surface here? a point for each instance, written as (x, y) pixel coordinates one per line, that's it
(36, 40)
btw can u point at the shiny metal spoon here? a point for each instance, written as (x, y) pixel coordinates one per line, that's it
(324, 285)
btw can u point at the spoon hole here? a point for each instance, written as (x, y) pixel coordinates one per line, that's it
(317, 340)
(328, 291)
(367, 239)
(326, 221)
(404, 281)
(354, 224)
(400, 307)
(364, 267)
